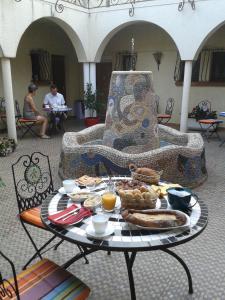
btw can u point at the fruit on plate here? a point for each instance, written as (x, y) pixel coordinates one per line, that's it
(161, 189)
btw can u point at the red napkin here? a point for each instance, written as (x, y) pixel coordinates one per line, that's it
(76, 217)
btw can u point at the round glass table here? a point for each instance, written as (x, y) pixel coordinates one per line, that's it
(127, 238)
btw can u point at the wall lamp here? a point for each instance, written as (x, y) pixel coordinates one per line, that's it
(182, 3)
(158, 56)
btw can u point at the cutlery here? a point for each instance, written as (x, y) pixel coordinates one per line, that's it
(74, 213)
(67, 214)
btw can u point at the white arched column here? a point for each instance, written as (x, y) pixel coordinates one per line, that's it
(93, 76)
(86, 75)
(89, 76)
(185, 96)
(8, 95)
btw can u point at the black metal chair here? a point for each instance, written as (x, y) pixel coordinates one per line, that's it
(23, 124)
(33, 183)
(45, 279)
(2, 111)
(164, 118)
(156, 104)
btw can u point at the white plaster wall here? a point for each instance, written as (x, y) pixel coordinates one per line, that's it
(48, 36)
(16, 17)
(91, 31)
(188, 28)
(149, 39)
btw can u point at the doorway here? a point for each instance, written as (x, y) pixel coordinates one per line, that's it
(103, 75)
(58, 73)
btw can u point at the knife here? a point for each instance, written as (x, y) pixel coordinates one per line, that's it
(67, 214)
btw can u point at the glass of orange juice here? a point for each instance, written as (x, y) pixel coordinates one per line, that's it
(108, 201)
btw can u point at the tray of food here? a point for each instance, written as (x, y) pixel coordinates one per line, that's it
(86, 180)
(143, 198)
(146, 175)
(156, 219)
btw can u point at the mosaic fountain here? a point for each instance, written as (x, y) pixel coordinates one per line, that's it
(131, 134)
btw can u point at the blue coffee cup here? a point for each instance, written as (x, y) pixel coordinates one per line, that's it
(179, 198)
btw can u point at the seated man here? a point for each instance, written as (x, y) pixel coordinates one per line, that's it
(55, 99)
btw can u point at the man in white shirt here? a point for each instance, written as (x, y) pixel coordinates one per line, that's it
(54, 98)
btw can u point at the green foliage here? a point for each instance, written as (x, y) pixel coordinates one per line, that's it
(2, 184)
(199, 113)
(90, 100)
(6, 146)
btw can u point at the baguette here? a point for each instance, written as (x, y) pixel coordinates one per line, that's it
(154, 219)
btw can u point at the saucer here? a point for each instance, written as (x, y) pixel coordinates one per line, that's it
(91, 232)
(63, 192)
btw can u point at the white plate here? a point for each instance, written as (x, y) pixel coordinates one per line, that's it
(187, 224)
(83, 196)
(63, 192)
(91, 232)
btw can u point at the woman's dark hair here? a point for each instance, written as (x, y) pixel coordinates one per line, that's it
(32, 88)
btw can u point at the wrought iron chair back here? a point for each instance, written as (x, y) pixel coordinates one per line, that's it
(205, 105)
(32, 179)
(2, 104)
(169, 106)
(6, 288)
(17, 107)
(157, 98)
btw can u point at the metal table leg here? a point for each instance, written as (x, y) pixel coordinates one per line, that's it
(130, 261)
(184, 266)
(78, 256)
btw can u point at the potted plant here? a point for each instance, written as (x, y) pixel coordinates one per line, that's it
(199, 112)
(92, 105)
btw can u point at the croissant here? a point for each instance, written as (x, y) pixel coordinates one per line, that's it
(146, 171)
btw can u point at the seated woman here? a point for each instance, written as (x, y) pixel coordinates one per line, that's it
(30, 111)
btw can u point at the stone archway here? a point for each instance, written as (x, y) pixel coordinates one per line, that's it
(45, 35)
(105, 40)
(159, 41)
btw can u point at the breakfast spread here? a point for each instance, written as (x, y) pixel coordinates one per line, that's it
(154, 219)
(88, 180)
(138, 199)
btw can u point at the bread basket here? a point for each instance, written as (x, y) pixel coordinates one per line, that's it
(147, 179)
(136, 199)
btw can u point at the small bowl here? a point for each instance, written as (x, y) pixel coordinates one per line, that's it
(79, 196)
(93, 201)
(147, 179)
